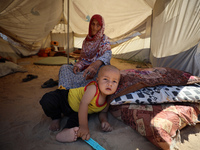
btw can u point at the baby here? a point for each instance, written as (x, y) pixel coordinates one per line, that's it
(79, 102)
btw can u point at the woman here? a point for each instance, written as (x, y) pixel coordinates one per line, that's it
(95, 52)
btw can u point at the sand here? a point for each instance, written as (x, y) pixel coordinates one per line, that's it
(24, 126)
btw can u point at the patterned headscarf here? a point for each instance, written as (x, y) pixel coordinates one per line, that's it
(94, 46)
(91, 45)
(101, 31)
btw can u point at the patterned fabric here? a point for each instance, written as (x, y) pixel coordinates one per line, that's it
(133, 80)
(106, 57)
(69, 80)
(93, 47)
(160, 124)
(161, 94)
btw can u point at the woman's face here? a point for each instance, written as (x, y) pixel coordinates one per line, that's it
(95, 27)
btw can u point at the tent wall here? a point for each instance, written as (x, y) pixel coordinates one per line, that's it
(169, 37)
(126, 14)
(129, 15)
(29, 22)
(187, 60)
(138, 47)
(176, 29)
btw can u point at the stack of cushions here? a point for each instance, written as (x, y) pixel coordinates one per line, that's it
(146, 100)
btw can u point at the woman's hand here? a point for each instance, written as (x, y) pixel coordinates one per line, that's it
(91, 71)
(76, 69)
(105, 126)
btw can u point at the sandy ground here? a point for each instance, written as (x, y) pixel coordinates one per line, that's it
(23, 125)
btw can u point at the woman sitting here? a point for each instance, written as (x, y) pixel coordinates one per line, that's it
(95, 52)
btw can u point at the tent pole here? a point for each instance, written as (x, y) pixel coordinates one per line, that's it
(68, 32)
(150, 36)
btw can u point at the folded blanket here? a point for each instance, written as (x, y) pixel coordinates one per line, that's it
(161, 94)
(133, 80)
(160, 124)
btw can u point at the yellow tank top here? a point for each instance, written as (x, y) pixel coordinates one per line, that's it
(75, 95)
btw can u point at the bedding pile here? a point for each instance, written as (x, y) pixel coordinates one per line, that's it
(9, 67)
(158, 103)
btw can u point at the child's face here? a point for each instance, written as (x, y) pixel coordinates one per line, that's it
(108, 81)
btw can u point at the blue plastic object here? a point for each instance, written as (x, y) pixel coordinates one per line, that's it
(94, 144)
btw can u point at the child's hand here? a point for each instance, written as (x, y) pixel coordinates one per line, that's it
(105, 126)
(84, 133)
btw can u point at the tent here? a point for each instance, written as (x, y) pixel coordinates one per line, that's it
(164, 32)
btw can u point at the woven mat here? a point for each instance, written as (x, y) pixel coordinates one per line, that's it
(54, 61)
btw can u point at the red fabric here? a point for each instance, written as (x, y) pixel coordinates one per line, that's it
(158, 123)
(101, 22)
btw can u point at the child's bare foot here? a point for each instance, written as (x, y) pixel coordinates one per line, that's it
(55, 125)
(67, 135)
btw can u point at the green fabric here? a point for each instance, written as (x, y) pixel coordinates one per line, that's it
(55, 61)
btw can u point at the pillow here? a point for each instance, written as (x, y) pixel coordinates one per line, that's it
(161, 94)
(133, 80)
(160, 124)
(10, 67)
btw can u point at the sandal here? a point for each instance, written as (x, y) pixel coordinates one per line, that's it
(29, 77)
(49, 83)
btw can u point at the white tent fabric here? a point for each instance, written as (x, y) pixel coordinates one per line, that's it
(159, 31)
(124, 14)
(29, 22)
(175, 28)
(128, 15)
(137, 47)
(175, 35)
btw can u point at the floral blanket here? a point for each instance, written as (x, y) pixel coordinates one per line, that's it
(160, 124)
